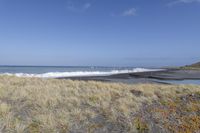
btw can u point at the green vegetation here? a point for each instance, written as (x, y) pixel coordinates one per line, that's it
(178, 115)
(52, 105)
(140, 125)
(195, 66)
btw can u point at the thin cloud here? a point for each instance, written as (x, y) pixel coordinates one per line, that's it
(74, 7)
(86, 6)
(126, 13)
(130, 12)
(183, 2)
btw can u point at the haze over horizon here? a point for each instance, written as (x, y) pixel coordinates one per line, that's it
(99, 32)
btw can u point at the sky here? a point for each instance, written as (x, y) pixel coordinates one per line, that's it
(99, 32)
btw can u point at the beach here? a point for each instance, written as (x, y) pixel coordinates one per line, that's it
(129, 102)
(162, 77)
(99, 66)
(127, 75)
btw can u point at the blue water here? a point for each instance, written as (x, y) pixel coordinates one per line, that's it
(47, 69)
(68, 71)
(197, 82)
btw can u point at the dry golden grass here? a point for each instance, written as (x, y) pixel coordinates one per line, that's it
(52, 105)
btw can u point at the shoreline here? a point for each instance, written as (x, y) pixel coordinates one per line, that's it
(160, 76)
(145, 77)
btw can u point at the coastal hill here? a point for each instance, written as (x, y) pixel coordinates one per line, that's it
(193, 66)
(197, 65)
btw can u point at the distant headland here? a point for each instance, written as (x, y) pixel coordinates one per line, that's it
(195, 66)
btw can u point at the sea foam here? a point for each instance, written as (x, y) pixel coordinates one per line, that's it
(79, 73)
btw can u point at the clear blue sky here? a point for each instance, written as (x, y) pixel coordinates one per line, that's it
(99, 32)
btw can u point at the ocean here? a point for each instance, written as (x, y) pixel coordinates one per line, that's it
(67, 71)
(79, 71)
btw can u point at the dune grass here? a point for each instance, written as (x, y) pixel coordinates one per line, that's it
(52, 105)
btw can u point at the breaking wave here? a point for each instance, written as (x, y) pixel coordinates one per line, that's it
(79, 73)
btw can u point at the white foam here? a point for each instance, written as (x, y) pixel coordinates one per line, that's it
(79, 73)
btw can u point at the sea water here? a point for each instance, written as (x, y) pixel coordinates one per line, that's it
(79, 71)
(67, 71)
(197, 82)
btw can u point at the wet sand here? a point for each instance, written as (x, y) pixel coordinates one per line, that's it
(145, 77)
